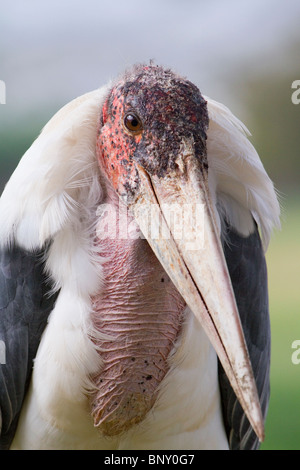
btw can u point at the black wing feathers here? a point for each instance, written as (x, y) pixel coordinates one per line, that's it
(248, 272)
(24, 309)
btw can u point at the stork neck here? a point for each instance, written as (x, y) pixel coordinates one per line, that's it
(139, 313)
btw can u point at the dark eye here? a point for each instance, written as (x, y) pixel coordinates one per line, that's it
(133, 123)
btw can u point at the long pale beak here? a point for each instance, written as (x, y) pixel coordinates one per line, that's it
(197, 267)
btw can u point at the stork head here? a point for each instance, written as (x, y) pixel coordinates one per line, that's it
(146, 120)
(152, 148)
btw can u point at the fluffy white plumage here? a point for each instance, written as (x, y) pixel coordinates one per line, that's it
(57, 178)
(54, 193)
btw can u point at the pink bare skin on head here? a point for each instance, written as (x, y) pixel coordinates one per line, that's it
(141, 310)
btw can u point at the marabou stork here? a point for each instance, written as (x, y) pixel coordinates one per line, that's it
(136, 337)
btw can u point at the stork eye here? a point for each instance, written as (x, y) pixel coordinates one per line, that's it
(133, 123)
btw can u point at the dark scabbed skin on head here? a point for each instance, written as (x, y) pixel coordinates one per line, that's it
(170, 108)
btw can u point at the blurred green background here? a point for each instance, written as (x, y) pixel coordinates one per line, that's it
(275, 125)
(243, 53)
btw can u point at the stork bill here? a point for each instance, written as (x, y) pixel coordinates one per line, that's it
(194, 271)
(149, 150)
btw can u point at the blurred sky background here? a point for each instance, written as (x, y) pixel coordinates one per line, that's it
(244, 53)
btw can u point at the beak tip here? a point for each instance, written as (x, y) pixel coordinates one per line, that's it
(261, 432)
(257, 423)
(261, 435)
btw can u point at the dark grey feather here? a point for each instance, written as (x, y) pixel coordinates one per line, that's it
(25, 304)
(248, 272)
